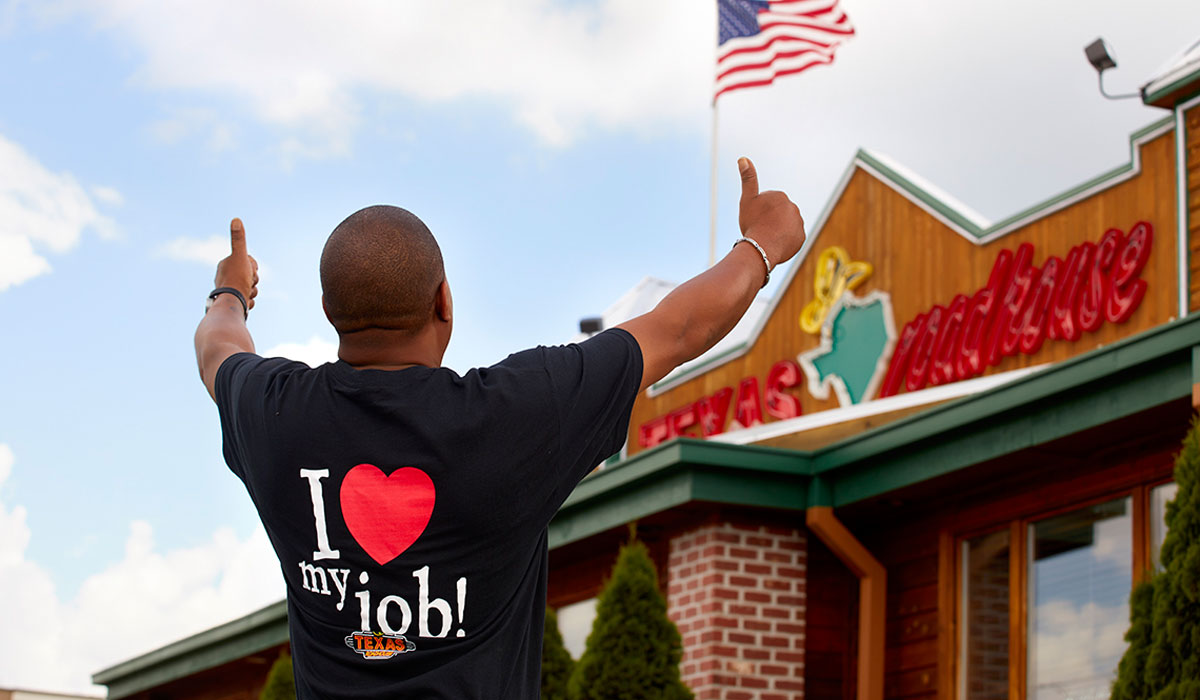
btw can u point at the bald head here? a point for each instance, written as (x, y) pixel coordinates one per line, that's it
(381, 268)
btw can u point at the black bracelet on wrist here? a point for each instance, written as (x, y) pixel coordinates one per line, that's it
(212, 298)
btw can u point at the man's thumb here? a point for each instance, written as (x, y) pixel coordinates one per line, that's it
(237, 237)
(749, 179)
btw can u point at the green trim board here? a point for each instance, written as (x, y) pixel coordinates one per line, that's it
(213, 647)
(939, 206)
(1183, 215)
(1151, 98)
(679, 472)
(1181, 237)
(966, 225)
(1030, 424)
(1137, 373)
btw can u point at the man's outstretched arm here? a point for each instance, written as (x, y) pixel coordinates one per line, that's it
(222, 332)
(698, 313)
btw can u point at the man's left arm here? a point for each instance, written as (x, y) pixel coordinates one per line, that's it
(222, 332)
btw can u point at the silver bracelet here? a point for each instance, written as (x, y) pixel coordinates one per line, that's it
(763, 253)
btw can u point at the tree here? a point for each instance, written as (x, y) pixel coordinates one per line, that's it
(1163, 659)
(557, 663)
(1131, 672)
(633, 650)
(281, 684)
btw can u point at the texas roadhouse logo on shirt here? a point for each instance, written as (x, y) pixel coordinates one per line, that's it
(377, 645)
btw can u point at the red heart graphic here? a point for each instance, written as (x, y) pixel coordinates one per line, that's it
(386, 514)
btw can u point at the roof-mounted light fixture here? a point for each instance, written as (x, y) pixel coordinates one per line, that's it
(1102, 59)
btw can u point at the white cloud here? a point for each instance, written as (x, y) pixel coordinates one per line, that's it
(42, 212)
(108, 195)
(1077, 647)
(303, 65)
(145, 600)
(208, 251)
(317, 351)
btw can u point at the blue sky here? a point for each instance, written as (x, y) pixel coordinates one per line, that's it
(558, 150)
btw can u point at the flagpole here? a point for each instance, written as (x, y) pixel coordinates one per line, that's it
(712, 177)
(712, 194)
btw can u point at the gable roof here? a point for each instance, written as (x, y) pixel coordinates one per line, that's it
(955, 215)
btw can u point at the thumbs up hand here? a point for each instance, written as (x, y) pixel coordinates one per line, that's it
(239, 270)
(770, 218)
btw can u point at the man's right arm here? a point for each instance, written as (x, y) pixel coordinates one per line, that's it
(699, 312)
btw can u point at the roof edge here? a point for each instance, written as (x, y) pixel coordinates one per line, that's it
(214, 636)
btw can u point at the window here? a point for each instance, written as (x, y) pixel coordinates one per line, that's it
(1044, 601)
(985, 609)
(1080, 571)
(1159, 495)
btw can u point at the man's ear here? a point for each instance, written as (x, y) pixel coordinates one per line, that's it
(443, 303)
(326, 310)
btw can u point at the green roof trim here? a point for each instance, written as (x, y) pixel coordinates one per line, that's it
(1164, 91)
(213, 647)
(966, 225)
(679, 472)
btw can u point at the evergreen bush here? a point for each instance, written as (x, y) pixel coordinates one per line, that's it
(281, 684)
(557, 663)
(1163, 659)
(633, 650)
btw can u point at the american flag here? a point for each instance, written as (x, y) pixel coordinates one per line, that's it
(760, 40)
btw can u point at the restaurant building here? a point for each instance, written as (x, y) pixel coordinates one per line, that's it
(932, 466)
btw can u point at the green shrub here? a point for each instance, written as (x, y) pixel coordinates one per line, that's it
(281, 684)
(634, 649)
(1163, 659)
(557, 663)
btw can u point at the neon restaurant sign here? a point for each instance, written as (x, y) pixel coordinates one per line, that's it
(1017, 311)
(1021, 307)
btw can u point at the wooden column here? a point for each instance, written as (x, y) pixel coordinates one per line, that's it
(872, 596)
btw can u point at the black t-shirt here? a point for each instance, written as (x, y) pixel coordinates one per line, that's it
(409, 508)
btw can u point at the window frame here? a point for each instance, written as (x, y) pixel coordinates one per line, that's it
(1018, 520)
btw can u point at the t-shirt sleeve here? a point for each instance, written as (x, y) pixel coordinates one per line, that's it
(241, 389)
(594, 384)
(228, 391)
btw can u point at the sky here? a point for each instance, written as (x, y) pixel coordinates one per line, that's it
(560, 151)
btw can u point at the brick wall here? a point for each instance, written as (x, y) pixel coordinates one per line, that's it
(737, 593)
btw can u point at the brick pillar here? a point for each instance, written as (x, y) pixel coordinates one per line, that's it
(737, 593)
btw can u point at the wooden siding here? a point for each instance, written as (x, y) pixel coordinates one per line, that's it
(579, 570)
(1191, 121)
(921, 262)
(242, 679)
(831, 622)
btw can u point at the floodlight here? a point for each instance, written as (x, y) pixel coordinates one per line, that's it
(1099, 56)
(1102, 59)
